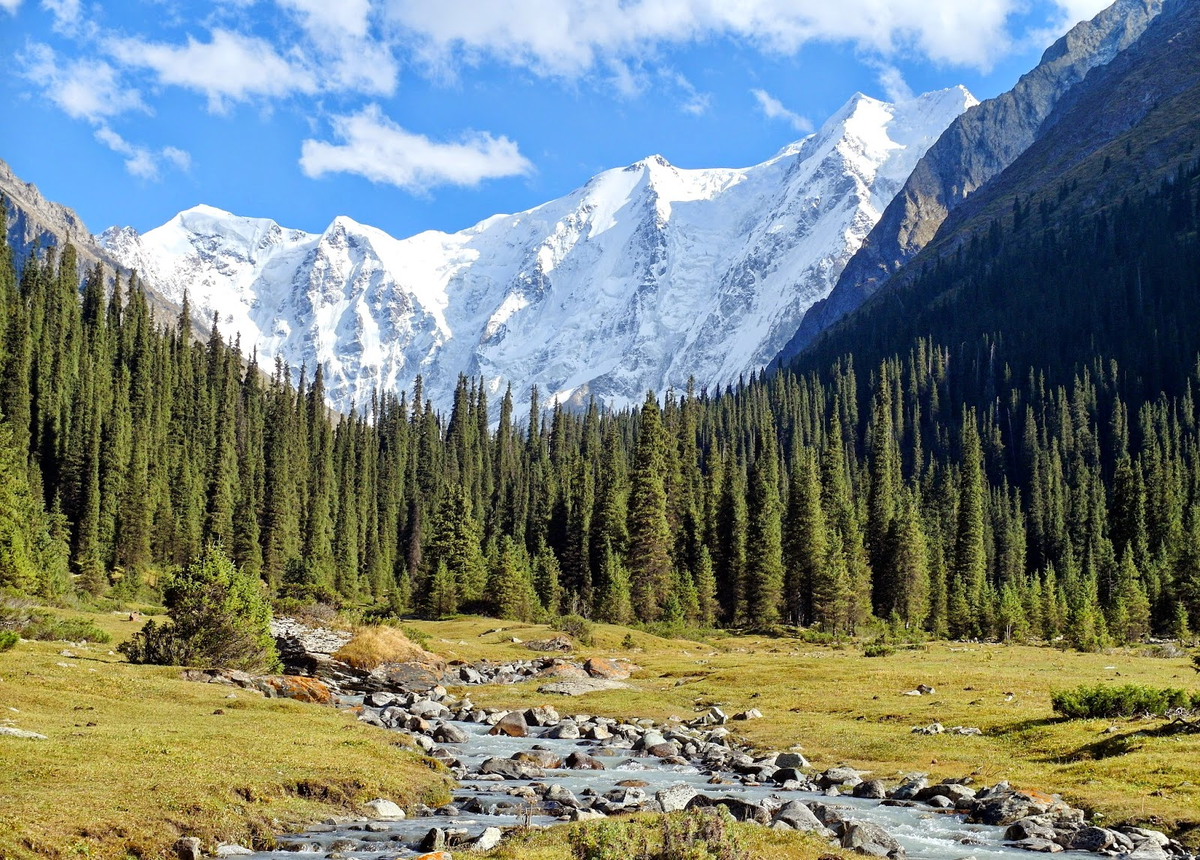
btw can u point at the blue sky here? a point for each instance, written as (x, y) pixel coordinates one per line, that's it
(433, 114)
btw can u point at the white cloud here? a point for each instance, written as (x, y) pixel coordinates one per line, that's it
(895, 88)
(695, 103)
(10, 6)
(349, 56)
(773, 108)
(140, 161)
(67, 14)
(230, 67)
(374, 147)
(568, 37)
(84, 89)
(1074, 11)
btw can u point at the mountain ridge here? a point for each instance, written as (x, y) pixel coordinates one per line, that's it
(645, 276)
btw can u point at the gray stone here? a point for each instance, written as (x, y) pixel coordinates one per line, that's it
(858, 835)
(586, 814)
(1035, 843)
(566, 730)
(675, 798)
(797, 816)
(9, 732)
(872, 789)
(512, 724)
(1093, 839)
(791, 759)
(581, 686)
(487, 840)
(428, 710)
(384, 810)
(510, 769)
(233, 851)
(447, 733)
(582, 761)
(188, 848)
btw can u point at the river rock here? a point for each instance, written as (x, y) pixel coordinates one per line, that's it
(586, 814)
(1003, 806)
(487, 840)
(384, 810)
(836, 776)
(512, 724)
(612, 670)
(435, 855)
(866, 837)
(564, 796)
(429, 710)
(797, 816)
(1094, 839)
(952, 791)
(791, 759)
(555, 643)
(1036, 843)
(448, 733)
(581, 686)
(908, 789)
(187, 848)
(567, 730)
(872, 789)
(539, 758)
(232, 851)
(435, 840)
(582, 761)
(543, 715)
(675, 798)
(597, 733)
(510, 769)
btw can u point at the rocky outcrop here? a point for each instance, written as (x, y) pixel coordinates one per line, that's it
(977, 147)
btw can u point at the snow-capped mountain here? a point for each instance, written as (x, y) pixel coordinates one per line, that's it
(644, 277)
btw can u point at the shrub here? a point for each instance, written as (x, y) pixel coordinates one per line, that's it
(578, 628)
(28, 622)
(219, 617)
(1105, 701)
(8, 639)
(698, 834)
(419, 636)
(878, 649)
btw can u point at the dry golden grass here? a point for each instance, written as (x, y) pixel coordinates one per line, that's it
(136, 757)
(839, 706)
(371, 647)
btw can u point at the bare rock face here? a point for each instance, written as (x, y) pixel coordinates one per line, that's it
(977, 147)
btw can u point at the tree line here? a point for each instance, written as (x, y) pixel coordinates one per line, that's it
(965, 471)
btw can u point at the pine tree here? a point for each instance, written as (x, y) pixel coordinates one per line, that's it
(650, 538)
(764, 541)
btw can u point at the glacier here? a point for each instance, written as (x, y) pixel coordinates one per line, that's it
(649, 276)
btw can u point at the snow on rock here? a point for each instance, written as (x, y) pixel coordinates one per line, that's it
(645, 277)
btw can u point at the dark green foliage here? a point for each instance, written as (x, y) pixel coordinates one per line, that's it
(8, 640)
(220, 617)
(1105, 701)
(22, 619)
(579, 629)
(1022, 460)
(878, 649)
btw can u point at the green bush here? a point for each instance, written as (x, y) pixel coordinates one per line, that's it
(8, 639)
(878, 649)
(419, 636)
(698, 834)
(578, 628)
(25, 620)
(1105, 701)
(220, 617)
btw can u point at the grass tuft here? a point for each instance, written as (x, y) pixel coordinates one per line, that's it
(372, 647)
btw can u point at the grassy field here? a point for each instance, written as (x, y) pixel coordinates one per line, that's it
(841, 707)
(136, 757)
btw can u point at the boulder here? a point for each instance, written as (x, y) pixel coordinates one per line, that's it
(586, 814)
(797, 816)
(435, 855)
(555, 643)
(539, 758)
(863, 836)
(448, 733)
(188, 848)
(908, 789)
(612, 670)
(872, 789)
(1035, 843)
(582, 761)
(232, 851)
(567, 730)
(1094, 839)
(296, 687)
(510, 769)
(384, 810)
(10, 732)
(1005, 806)
(543, 715)
(791, 759)
(836, 776)
(512, 724)
(428, 710)
(752, 714)
(563, 672)
(675, 798)
(487, 840)
(559, 794)
(952, 791)
(581, 686)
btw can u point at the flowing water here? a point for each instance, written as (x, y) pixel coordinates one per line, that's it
(925, 833)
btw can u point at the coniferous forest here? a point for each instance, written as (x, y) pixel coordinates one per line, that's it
(1014, 456)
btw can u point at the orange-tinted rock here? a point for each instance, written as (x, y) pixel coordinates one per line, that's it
(299, 688)
(562, 670)
(611, 670)
(436, 855)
